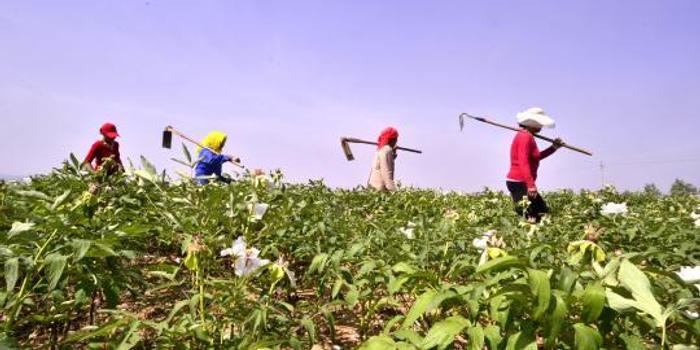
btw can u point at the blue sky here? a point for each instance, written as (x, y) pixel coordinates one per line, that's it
(286, 79)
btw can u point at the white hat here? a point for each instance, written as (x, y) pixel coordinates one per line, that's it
(535, 117)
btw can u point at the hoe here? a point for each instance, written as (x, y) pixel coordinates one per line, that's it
(484, 120)
(168, 142)
(346, 141)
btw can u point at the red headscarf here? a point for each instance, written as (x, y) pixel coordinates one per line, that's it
(387, 136)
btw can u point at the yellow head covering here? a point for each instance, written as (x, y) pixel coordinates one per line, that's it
(215, 140)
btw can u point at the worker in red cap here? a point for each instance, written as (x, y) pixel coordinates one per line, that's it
(107, 148)
(382, 176)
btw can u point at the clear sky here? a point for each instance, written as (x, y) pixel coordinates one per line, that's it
(286, 79)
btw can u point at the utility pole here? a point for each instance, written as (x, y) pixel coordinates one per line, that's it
(602, 174)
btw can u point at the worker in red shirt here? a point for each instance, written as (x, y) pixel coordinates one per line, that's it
(105, 149)
(525, 159)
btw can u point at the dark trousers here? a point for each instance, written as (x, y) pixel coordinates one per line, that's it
(537, 206)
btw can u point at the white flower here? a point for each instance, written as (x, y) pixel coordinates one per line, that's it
(613, 208)
(27, 180)
(695, 216)
(483, 242)
(408, 230)
(259, 210)
(693, 315)
(249, 262)
(246, 259)
(697, 223)
(480, 243)
(237, 249)
(689, 274)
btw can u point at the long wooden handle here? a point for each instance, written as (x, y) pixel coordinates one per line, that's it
(484, 120)
(354, 140)
(171, 129)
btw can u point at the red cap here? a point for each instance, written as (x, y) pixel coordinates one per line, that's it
(109, 130)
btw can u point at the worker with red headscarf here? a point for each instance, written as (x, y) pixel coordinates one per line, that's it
(107, 148)
(382, 176)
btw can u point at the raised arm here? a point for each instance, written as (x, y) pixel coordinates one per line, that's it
(551, 149)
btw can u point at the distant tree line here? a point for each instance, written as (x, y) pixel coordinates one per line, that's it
(678, 188)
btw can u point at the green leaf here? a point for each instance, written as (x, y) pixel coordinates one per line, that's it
(379, 342)
(521, 341)
(55, 264)
(635, 281)
(131, 338)
(442, 334)
(633, 342)
(539, 285)
(493, 336)
(593, 302)
(426, 302)
(587, 338)
(476, 337)
(409, 335)
(148, 166)
(80, 247)
(176, 308)
(418, 308)
(352, 296)
(567, 279)
(556, 320)
(318, 263)
(620, 303)
(403, 267)
(102, 331)
(310, 329)
(11, 273)
(395, 284)
(74, 161)
(187, 153)
(34, 194)
(60, 199)
(503, 262)
(388, 325)
(339, 283)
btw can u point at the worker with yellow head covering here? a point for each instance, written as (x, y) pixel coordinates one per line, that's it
(211, 159)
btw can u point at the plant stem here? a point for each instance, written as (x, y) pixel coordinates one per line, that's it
(20, 296)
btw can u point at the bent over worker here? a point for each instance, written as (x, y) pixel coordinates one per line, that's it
(525, 159)
(210, 158)
(107, 148)
(382, 175)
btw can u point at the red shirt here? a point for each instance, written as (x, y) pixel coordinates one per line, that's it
(101, 150)
(525, 158)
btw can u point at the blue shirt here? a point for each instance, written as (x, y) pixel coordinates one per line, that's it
(209, 163)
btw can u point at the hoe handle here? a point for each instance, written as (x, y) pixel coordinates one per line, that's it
(484, 120)
(354, 140)
(174, 131)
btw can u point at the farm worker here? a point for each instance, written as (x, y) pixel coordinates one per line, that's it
(107, 148)
(382, 175)
(210, 163)
(525, 159)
